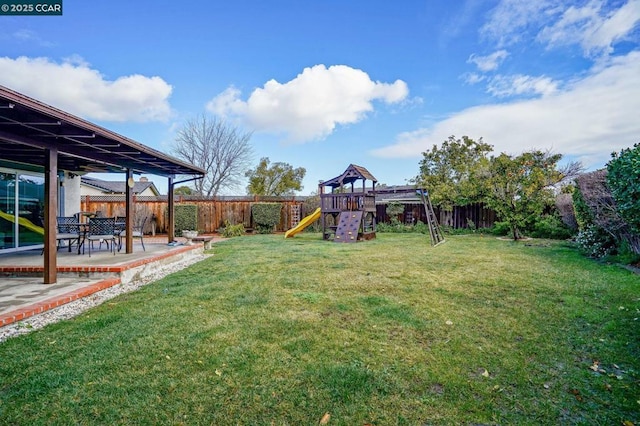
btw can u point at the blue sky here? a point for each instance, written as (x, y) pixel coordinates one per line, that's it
(322, 84)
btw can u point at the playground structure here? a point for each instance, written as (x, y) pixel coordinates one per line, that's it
(348, 213)
(411, 193)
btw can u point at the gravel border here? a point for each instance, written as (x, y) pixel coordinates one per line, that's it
(72, 309)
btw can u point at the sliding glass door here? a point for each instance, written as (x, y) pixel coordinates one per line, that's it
(7, 209)
(21, 210)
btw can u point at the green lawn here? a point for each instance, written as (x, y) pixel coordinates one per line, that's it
(387, 332)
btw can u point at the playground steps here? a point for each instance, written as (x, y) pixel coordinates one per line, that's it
(348, 227)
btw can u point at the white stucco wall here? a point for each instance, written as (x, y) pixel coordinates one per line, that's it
(88, 190)
(147, 193)
(71, 195)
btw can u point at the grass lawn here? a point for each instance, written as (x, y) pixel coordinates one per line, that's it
(385, 332)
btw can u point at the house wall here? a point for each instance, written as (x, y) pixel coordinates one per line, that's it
(147, 193)
(88, 190)
(71, 203)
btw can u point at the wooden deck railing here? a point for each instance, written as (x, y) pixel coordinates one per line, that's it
(334, 203)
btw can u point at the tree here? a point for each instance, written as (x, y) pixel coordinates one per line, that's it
(393, 210)
(278, 179)
(520, 188)
(183, 190)
(600, 224)
(450, 172)
(623, 178)
(223, 151)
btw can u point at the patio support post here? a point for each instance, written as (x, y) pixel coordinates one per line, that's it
(171, 226)
(50, 212)
(129, 212)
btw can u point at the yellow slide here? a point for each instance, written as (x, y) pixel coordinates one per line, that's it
(23, 222)
(303, 223)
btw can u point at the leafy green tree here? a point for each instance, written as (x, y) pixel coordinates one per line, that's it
(277, 179)
(393, 210)
(520, 188)
(623, 179)
(450, 172)
(183, 190)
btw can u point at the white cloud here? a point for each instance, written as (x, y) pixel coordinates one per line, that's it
(311, 105)
(512, 85)
(28, 36)
(510, 20)
(593, 27)
(75, 87)
(589, 119)
(473, 78)
(489, 62)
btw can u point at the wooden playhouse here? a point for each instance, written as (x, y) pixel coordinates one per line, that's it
(348, 211)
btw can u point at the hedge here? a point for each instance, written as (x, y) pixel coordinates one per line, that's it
(186, 217)
(266, 216)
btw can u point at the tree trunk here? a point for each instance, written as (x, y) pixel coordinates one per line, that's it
(515, 232)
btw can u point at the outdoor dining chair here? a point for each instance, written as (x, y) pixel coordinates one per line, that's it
(137, 232)
(68, 230)
(102, 230)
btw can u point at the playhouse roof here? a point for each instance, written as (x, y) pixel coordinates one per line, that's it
(352, 174)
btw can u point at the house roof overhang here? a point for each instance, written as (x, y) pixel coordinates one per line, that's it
(29, 127)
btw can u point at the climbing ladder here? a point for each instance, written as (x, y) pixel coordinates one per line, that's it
(348, 227)
(295, 215)
(434, 228)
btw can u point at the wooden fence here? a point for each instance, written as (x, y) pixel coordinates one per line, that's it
(213, 213)
(459, 218)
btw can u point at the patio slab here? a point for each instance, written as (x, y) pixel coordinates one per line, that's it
(23, 294)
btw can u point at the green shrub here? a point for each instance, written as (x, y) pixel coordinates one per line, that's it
(450, 230)
(595, 242)
(266, 216)
(386, 227)
(264, 229)
(625, 255)
(552, 227)
(623, 175)
(500, 229)
(230, 230)
(471, 225)
(399, 228)
(393, 210)
(186, 217)
(583, 214)
(421, 227)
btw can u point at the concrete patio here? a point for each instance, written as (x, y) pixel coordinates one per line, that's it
(23, 294)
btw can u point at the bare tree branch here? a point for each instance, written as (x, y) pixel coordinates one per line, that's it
(223, 151)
